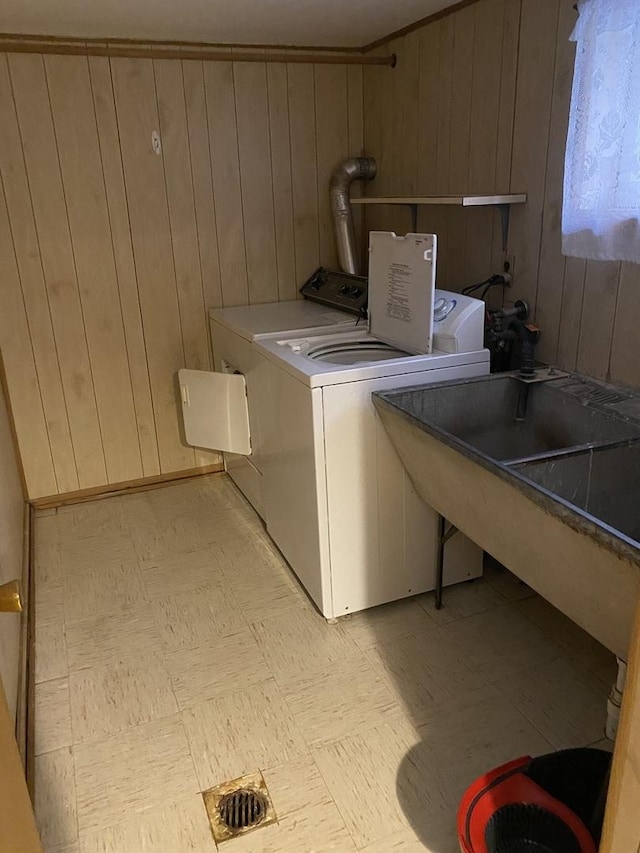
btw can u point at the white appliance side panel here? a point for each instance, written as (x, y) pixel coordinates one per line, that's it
(383, 537)
(232, 352)
(247, 478)
(293, 480)
(214, 410)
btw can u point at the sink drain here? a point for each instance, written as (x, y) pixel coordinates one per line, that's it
(242, 809)
(238, 806)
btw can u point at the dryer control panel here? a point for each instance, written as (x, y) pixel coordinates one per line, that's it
(338, 290)
(458, 322)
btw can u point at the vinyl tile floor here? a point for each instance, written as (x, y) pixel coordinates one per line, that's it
(175, 650)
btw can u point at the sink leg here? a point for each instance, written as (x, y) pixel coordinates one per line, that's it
(615, 701)
(443, 538)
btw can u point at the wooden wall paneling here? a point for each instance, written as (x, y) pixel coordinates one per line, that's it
(179, 181)
(254, 147)
(439, 217)
(552, 261)
(176, 158)
(136, 109)
(372, 126)
(538, 37)
(225, 169)
(332, 148)
(280, 144)
(478, 252)
(571, 312)
(456, 261)
(372, 120)
(431, 219)
(20, 370)
(387, 181)
(485, 96)
(386, 153)
(427, 223)
(461, 98)
(205, 210)
(625, 351)
(598, 315)
(81, 167)
(428, 114)
(302, 124)
(458, 219)
(406, 126)
(397, 141)
(36, 303)
(355, 110)
(50, 212)
(504, 138)
(355, 116)
(445, 105)
(485, 110)
(441, 177)
(109, 141)
(508, 83)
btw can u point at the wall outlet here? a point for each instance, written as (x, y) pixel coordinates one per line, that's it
(508, 266)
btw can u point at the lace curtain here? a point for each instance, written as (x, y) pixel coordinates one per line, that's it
(601, 209)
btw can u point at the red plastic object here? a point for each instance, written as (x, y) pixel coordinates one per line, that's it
(505, 786)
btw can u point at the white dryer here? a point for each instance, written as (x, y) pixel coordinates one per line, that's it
(338, 502)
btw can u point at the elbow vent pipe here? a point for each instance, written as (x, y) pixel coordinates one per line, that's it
(355, 169)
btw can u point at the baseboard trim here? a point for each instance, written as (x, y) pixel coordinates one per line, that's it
(127, 487)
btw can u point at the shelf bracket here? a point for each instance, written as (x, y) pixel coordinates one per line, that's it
(505, 210)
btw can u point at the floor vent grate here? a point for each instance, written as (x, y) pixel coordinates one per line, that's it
(242, 809)
(238, 806)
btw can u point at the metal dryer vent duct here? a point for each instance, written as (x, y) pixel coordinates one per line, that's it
(355, 169)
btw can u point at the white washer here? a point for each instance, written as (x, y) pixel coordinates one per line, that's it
(233, 331)
(338, 502)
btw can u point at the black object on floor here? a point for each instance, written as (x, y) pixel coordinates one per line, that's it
(550, 804)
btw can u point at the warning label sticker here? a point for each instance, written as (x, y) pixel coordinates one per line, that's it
(398, 298)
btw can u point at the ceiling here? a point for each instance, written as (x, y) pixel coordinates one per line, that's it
(334, 23)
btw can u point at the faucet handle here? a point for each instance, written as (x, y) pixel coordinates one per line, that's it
(521, 309)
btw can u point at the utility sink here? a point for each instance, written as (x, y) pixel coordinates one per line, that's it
(509, 420)
(545, 476)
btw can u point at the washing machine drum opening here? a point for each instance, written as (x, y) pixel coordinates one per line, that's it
(355, 352)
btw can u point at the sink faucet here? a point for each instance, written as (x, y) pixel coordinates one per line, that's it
(508, 324)
(511, 324)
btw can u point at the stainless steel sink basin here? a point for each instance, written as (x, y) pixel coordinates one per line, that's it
(604, 483)
(508, 421)
(546, 481)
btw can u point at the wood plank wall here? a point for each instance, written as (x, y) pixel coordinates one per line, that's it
(479, 103)
(111, 254)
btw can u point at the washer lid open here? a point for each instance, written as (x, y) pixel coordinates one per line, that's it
(402, 280)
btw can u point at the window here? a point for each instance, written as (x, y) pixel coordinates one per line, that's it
(601, 208)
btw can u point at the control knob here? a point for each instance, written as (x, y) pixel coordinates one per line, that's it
(442, 308)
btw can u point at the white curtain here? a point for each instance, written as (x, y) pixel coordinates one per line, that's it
(601, 208)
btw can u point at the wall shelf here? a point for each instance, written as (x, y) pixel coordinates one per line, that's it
(502, 202)
(460, 200)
